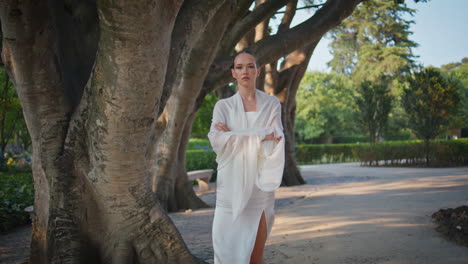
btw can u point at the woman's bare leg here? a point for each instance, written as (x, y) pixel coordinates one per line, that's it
(257, 253)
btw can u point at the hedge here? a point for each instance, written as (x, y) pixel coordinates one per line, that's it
(407, 153)
(324, 153)
(201, 160)
(441, 153)
(199, 143)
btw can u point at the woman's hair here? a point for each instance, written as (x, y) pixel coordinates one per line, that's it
(244, 51)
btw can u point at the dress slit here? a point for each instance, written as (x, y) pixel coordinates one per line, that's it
(258, 226)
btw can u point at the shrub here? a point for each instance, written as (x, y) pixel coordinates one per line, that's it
(199, 143)
(441, 153)
(16, 193)
(324, 153)
(201, 160)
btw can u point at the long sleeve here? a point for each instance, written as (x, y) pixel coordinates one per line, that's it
(272, 157)
(250, 159)
(227, 144)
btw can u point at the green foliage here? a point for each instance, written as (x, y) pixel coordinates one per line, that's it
(431, 101)
(201, 160)
(12, 124)
(397, 127)
(199, 156)
(374, 103)
(459, 71)
(324, 107)
(373, 41)
(324, 153)
(16, 193)
(202, 122)
(442, 153)
(338, 139)
(199, 144)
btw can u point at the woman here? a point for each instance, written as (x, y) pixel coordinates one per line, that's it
(247, 135)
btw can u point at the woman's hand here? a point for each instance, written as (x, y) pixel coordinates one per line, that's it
(271, 136)
(222, 127)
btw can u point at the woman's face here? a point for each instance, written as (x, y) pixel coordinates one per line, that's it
(245, 70)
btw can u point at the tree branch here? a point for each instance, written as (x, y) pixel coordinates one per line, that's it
(301, 8)
(189, 26)
(288, 16)
(259, 14)
(241, 10)
(273, 47)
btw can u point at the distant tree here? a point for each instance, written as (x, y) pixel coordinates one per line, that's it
(459, 71)
(431, 100)
(374, 103)
(460, 68)
(324, 106)
(374, 40)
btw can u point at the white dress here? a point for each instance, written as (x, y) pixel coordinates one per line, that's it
(249, 171)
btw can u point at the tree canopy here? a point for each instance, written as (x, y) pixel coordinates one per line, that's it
(325, 107)
(374, 40)
(431, 101)
(374, 103)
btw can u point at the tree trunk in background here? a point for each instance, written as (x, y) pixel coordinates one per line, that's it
(284, 84)
(170, 181)
(296, 64)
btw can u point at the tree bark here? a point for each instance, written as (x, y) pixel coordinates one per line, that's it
(284, 84)
(93, 201)
(177, 123)
(296, 66)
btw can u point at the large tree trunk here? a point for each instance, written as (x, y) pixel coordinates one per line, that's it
(91, 160)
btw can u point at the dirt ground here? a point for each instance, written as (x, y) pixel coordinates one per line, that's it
(453, 224)
(345, 214)
(14, 245)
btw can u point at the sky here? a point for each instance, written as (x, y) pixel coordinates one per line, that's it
(440, 29)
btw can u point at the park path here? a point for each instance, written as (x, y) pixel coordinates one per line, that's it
(345, 214)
